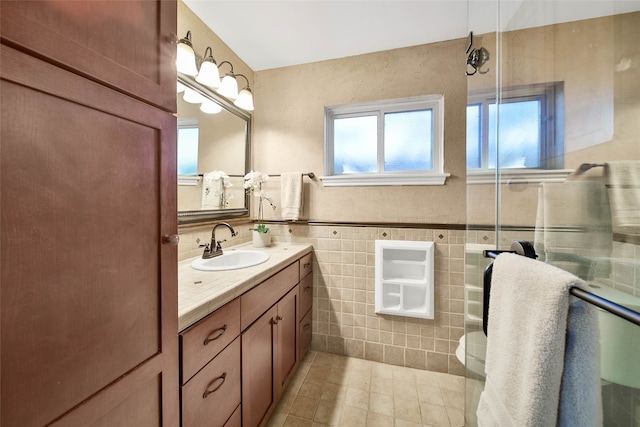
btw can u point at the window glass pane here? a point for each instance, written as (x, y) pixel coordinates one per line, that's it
(355, 145)
(474, 143)
(519, 134)
(407, 140)
(187, 151)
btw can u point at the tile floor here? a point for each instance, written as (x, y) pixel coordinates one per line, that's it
(332, 390)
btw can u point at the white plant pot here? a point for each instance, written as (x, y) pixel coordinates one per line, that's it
(261, 240)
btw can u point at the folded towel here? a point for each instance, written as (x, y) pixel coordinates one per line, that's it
(213, 190)
(573, 227)
(291, 200)
(623, 180)
(543, 352)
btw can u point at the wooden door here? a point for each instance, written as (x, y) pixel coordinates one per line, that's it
(128, 45)
(287, 340)
(89, 290)
(257, 369)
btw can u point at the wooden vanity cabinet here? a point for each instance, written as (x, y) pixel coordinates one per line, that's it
(306, 300)
(270, 344)
(210, 368)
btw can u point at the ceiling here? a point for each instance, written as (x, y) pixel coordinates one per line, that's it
(269, 34)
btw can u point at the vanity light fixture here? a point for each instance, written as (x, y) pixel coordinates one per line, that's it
(229, 85)
(193, 97)
(186, 57)
(209, 75)
(210, 107)
(245, 97)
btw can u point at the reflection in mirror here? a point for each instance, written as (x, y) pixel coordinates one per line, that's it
(213, 155)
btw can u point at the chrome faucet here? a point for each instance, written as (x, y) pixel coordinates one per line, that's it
(215, 249)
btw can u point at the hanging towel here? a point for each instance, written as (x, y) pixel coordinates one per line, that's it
(213, 190)
(291, 198)
(543, 351)
(573, 227)
(623, 180)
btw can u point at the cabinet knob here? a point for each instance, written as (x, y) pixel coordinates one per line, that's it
(277, 320)
(215, 334)
(171, 239)
(220, 380)
(306, 265)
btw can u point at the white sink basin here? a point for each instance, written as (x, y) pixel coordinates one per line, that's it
(231, 260)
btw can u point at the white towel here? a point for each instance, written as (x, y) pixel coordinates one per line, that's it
(573, 227)
(213, 190)
(623, 180)
(543, 352)
(291, 199)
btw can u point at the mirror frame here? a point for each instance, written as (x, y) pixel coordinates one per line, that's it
(205, 216)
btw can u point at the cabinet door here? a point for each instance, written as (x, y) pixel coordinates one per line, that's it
(257, 369)
(89, 290)
(286, 340)
(123, 44)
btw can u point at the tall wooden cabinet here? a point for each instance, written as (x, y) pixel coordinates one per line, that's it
(88, 284)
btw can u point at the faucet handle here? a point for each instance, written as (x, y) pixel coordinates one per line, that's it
(218, 244)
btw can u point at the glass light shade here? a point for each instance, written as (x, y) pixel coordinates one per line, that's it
(186, 59)
(210, 107)
(193, 97)
(209, 74)
(180, 87)
(228, 87)
(245, 99)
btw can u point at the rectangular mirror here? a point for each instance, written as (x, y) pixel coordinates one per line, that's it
(213, 155)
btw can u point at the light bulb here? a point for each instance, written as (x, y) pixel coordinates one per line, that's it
(228, 87)
(210, 107)
(245, 99)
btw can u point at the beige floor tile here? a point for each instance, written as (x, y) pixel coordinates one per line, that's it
(328, 413)
(428, 394)
(357, 398)
(331, 390)
(311, 388)
(292, 421)
(381, 404)
(304, 407)
(379, 420)
(407, 409)
(353, 417)
(434, 415)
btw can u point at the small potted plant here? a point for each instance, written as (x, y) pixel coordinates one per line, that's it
(253, 184)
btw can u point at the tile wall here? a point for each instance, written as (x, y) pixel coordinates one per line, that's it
(344, 320)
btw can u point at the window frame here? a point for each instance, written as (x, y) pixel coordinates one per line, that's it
(551, 97)
(435, 176)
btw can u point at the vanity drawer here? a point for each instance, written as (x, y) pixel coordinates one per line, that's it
(306, 333)
(306, 295)
(258, 300)
(306, 264)
(212, 396)
(203, 341)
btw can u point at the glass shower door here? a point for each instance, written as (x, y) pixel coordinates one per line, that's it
(552, 121)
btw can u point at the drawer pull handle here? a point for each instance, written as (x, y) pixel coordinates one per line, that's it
(220, 331)
(307, 289)
(306, 265)
(207, 392)
(306, 327)
(278, 319)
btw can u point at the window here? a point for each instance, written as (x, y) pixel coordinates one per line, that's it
(528, 122)
(393, 142)
(188, 137)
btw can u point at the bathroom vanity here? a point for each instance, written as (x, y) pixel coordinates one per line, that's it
(242, 335)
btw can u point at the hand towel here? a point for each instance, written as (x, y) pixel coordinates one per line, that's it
(291, 199)
(213, 190)
(573, 227)
(543, 352)
(623, 180)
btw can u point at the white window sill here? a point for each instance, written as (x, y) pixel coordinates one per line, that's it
(356, 180)
(191, 180)
(517, 176)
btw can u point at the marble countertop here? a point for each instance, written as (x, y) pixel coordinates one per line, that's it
(202, 292)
